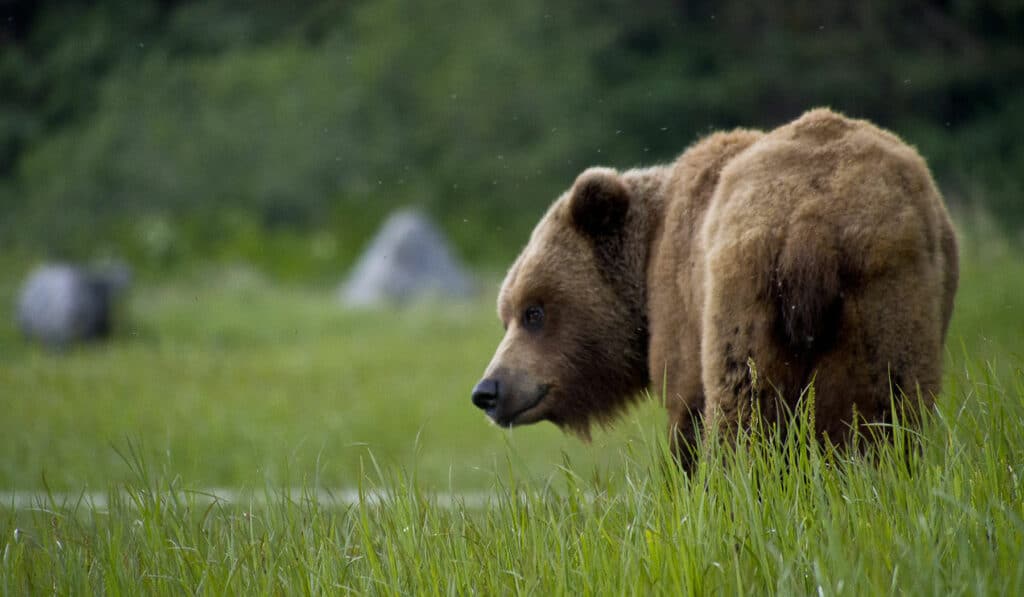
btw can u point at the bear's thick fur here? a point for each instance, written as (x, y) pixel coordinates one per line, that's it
(752, 266)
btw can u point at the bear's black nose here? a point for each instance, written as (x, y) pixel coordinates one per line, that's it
(485, 394)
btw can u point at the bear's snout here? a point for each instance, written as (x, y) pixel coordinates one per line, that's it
(485, 394)
(510, 398)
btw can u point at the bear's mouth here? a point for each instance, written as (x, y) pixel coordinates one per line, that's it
(516, 418)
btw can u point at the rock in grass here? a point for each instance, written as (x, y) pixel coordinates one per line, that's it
(63, 304)
(408, 259)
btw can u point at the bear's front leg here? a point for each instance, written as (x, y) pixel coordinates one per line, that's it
(683, 425)
(676, 379)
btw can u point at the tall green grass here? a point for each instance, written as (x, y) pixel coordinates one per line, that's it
(232, 381)
(775, 515)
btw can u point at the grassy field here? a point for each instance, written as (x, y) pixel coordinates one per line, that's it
(225, 380)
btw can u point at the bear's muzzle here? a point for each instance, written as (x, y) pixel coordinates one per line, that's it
(506, 403)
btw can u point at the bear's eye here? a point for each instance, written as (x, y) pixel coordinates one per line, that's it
(533, 317)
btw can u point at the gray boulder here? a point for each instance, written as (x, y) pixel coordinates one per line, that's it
(407, 260)
(62, 304)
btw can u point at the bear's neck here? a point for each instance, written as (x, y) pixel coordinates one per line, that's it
(647, 187)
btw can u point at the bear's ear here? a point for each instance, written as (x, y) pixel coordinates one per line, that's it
(599, 202)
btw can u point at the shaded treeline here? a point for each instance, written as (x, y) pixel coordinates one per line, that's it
(281, 133)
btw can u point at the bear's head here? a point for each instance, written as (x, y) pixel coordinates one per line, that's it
(573, 305)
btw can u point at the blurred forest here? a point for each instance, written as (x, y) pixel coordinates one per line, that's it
(166, 131)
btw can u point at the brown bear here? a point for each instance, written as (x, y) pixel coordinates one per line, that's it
(730, 280)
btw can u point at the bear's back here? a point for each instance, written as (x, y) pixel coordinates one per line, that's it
(828, 176)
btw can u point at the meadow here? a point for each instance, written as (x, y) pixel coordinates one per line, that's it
(222, 379)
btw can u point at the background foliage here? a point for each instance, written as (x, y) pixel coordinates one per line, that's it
(165, 130)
